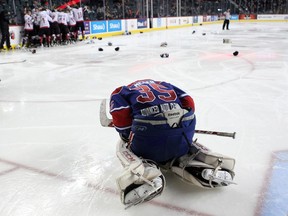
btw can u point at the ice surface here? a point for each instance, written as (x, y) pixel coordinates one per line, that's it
(56, 159)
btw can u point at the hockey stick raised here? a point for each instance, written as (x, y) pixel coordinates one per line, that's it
(107, 122)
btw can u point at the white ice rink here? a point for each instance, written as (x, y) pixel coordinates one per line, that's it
(56, 159)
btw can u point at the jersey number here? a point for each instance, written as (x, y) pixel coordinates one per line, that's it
(147, 95)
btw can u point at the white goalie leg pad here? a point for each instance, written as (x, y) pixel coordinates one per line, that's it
(204, 168)
(141, 180)
(212, 158)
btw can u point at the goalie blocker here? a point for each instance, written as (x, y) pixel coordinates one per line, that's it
(142, 179)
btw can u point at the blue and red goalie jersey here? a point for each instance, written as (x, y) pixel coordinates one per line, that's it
(144, 97)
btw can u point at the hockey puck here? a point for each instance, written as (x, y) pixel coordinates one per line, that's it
(235, 53)
(33, 51)
(100, 49)
(109, 44)
(193, 32)
(203, 34)
(117, 48)
(226, 41)
(100, 38)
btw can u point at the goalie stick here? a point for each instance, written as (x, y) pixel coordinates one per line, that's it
(107, 122)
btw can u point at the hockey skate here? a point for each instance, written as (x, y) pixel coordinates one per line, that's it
(144, 192)
(220, 177)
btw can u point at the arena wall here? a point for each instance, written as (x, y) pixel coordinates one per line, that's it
(108, 28)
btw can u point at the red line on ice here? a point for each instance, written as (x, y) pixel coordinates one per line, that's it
(9, 170)
(98, 187)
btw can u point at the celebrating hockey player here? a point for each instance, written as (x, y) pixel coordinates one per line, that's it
(44, 31)
(156, 122)
(28, 29)
(79, 18)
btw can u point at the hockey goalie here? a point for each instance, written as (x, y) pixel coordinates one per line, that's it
(156, 122)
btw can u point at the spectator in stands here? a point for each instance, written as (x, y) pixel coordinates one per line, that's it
(100, 12)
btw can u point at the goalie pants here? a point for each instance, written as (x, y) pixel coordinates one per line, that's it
(159, 142)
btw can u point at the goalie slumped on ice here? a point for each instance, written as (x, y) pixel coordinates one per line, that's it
(156, 123)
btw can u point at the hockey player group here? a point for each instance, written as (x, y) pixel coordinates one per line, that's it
(156, 122)
(45, 27)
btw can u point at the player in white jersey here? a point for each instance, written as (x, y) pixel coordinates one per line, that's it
(28, 29)
(79, 17)
(44, 31)
(63, 18)
(54, 27)
(36, 18)
(72, 26)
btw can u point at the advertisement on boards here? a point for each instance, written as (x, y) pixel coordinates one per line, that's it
(214, 18)
(247, 16)
(159, 23)
(98, 27)
(86, 27)
(114, 25)
(141, 23)
(234, 17)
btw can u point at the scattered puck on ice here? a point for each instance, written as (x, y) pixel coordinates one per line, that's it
(141, 32)
(117, 48)
(109, 44)
(164, 55)
(33, 51)
(203, 33)
(100, 49)
(163, 44)
(235, 53)
(94, 37)
(226, 41)
(200, 24)
(193, 32)
(100, 38)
